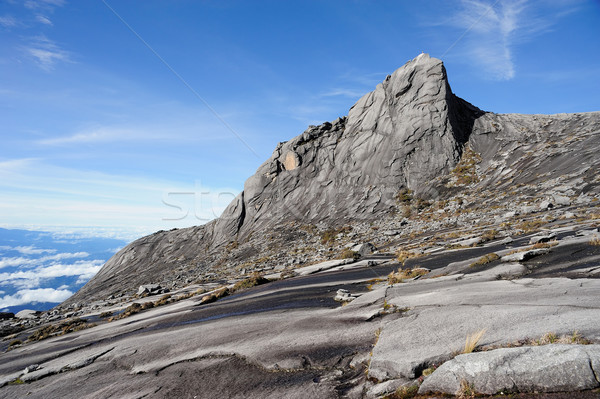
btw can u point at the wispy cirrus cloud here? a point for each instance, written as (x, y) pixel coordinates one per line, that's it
(340, 92)
(44, 19)
(27, 250)
(28, 262)
(46, 53)
(493, 28)
(103, 135)
(44, 4)
(8, 21)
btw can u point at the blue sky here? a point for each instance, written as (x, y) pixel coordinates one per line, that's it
(104, 103)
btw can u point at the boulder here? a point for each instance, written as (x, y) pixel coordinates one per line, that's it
(149, 289)
(548, 368)
(524, 255)
(28, 314)
(364, 249)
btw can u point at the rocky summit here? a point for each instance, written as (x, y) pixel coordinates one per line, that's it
(417, 246)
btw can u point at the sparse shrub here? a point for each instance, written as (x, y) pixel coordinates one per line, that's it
(529, 226)
(465, 172)
(106, 314)
(404, 392)
(489, 235)
(15, 343)
(595, 242)
(548, 338)
(404, 196)
(422, 204)
(575, 338)
(329, 236)
(403, 274)
(223, 292)
(255, 280)
(473, 340)
(402, 256)
(349, 254)
(466, 390)
(165, 299)
(60, 329)
(544, 245)
(147, 305)
(484, 260)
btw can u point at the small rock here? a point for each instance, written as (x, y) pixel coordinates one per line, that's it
(542, 238)
(510, 214)
(561, 200)
(31, 368)
(343, 295)
(546, 205)
(469, 242)
(524, 255)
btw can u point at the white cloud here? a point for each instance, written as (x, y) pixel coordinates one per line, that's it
(343, 93)
(44, 4)
(35, 295)
(32, 250)
(27, 262)
(117, 206)
(104, 135)
(33, 277)
(43, 19)
(8, 22)
(494, 28)
(46, 53)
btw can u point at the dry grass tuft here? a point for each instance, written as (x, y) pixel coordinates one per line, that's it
(403, 274)
(484, 260)
(221, 293)
(473, 340)
(254, 280)
(552, 338)
(404, 392)
(529, 226)
(60, 329)
(349, 254)
(402, 256)
(466, 390)
(595, 242)
(539, 245)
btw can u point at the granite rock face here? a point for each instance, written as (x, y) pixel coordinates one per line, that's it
(410, 132)
(550, 368)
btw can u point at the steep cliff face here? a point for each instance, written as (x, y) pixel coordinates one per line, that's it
(409, 132)
(410, 129)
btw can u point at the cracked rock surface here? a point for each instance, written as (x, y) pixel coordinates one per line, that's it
(550, 368)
